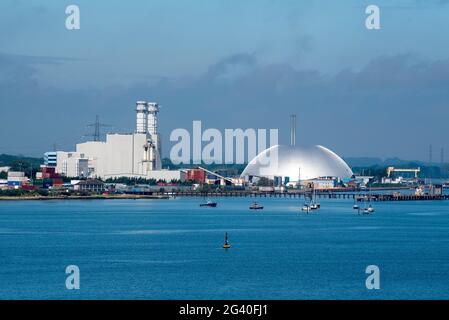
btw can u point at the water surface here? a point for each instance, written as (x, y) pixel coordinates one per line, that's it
(171, 249)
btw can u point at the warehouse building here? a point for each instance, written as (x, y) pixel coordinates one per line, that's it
(91, 185)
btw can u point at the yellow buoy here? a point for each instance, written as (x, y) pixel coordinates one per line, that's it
(226, 243)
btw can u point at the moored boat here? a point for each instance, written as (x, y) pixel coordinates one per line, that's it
(209, 204)
(256, 206)
(306, 208)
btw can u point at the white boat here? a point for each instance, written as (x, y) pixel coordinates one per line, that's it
(368, 210)
(314, 205)
(355, 206)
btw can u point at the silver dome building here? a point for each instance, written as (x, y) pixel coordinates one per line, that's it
(291, 162)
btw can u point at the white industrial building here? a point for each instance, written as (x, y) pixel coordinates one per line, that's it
(299, 163)
(72, 164)
(136, 154)
(293, 164)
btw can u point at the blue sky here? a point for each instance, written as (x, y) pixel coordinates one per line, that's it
(231, 64)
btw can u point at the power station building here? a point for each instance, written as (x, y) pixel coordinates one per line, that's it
(133, 155)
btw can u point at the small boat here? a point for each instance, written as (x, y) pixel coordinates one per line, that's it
(226, 244)
(306, 208)
(256, 206)
(209, 204)
(355, 206)
(368, 210)
(313, 204)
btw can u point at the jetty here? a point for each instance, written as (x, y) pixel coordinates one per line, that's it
(321, 195)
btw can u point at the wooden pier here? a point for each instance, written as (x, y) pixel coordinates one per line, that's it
(324, 195)
(391, 197)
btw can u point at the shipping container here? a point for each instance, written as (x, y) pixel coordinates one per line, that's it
(49, 170)
(21, 179)
(277, 181)
(16, 174)
(266, 189)
(57, 182)
(29, 187)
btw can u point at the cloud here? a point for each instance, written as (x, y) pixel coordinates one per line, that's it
(231, 66)
(399, 72)
(21, 68)
(392, 106)
(433, 2)
(440, 2)
(34, 60)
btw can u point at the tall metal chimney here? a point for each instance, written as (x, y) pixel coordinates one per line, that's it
(153, 109)
(142, 117)
(293, 130)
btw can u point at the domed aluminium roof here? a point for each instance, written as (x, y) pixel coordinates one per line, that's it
(310, 162)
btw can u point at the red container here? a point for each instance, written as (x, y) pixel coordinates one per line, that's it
(49, 170)
(57, 182)
(28, 187)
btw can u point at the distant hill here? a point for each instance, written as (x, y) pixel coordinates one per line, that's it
(377, 167)
(19, 162)
(363, 161)
(373, 162)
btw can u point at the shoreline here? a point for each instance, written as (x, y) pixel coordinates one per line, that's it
(330, 193)
(342, 193)
(93, 197)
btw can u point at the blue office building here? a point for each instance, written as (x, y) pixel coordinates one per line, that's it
(50, 159)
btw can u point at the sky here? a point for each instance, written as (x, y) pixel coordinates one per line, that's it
(231, 64)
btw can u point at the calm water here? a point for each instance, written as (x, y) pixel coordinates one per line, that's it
(171, 249)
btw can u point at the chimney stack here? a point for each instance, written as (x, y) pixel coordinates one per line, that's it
(293, 130)
(142, 117)
(153, 109)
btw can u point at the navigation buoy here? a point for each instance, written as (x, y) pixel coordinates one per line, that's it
(226, 244)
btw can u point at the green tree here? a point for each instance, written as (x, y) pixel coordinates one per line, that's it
(265, 182)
